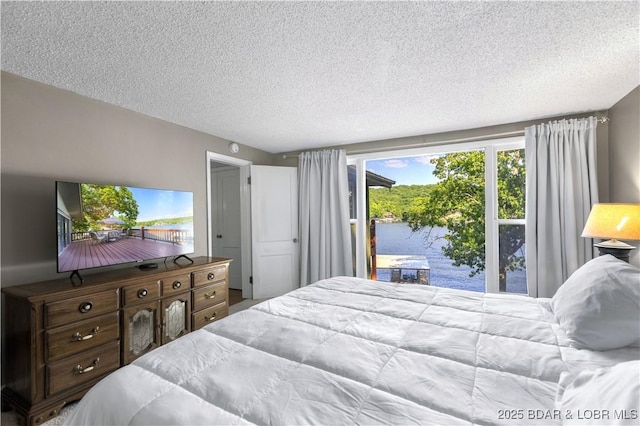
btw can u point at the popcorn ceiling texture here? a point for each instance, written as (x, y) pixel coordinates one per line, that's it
(284, 76)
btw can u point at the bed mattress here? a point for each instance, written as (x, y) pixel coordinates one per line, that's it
(354, 351)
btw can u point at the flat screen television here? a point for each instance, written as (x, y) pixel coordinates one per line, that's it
(106, 225)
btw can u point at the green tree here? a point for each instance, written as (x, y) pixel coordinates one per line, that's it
(457, 202)
(103, 201)
(395, 200)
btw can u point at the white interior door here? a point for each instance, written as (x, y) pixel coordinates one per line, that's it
(274, 230)
(225, 186)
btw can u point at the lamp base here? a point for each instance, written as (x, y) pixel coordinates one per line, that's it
(621, 253)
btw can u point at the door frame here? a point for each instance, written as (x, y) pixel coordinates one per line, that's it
(245, 214)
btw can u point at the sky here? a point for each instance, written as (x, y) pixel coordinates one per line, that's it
(162, 204)
(405, 170)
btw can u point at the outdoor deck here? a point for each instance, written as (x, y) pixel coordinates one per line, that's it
(405, 268)
(90, 254)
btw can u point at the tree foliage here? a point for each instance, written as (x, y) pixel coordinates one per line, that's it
(100, 202)
(457, 202)
(395, 201)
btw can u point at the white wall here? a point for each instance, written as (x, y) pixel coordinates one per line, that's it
(50, 134)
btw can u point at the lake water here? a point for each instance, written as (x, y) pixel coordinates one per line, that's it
(172, 226)
(397, 238)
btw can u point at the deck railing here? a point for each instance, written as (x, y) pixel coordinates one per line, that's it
(79, 236)
(403, 268)
(174, 236)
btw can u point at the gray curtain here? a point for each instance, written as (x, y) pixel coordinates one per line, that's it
(562, 186)
(325, 239)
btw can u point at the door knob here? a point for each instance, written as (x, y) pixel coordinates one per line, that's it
(295, 240)
(218, 236)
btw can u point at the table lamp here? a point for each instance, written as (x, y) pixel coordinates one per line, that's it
(617, 222)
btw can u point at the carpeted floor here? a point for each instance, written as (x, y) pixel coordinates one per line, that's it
(11, 419)
(246, 303)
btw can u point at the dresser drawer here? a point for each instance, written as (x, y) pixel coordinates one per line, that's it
(209, 295)
(176, 284)
(201, 318)
(79, 337)
(142, 292)
(209, 275)
(82, 368)
(80, 308)
(82, 336)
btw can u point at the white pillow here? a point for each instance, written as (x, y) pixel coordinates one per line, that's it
(601, 397)
(598, 306)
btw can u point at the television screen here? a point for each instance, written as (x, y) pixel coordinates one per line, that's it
(105, 225)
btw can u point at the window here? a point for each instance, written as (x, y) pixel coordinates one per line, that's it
(485, 225)
(505, 205)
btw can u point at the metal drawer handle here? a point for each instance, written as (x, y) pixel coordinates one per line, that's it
(81, 370)
(79, 337)
(142, 293)
(85, 307)
(211, 276)
(210, 296)
(177, 285)
(211, 318)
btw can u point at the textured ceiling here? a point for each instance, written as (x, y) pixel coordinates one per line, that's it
(283, 76)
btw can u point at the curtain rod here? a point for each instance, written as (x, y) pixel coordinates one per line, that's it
(424, 144)
(603, 120)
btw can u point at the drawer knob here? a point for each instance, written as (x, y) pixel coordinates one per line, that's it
(210, 296)
(79, 337)
(211, 318)
(177, 285)
(142, 293)
(85, 307)
(211, 276)
(81, 370)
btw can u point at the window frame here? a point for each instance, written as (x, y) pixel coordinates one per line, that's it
(491, 147)
(493, 222)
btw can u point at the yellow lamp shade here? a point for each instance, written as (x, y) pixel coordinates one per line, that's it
(614, 221)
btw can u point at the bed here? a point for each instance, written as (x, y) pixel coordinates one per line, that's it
(352, 351)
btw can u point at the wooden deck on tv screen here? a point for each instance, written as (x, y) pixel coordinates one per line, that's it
(91, 254)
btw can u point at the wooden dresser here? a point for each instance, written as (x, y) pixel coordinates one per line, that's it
(61, 338)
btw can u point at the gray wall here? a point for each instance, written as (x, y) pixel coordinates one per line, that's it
(624, 155)
(618, 150)
(624, 151)
(467, 135)
(50, 134)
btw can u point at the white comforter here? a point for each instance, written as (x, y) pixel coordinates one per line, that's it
(353, 351)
